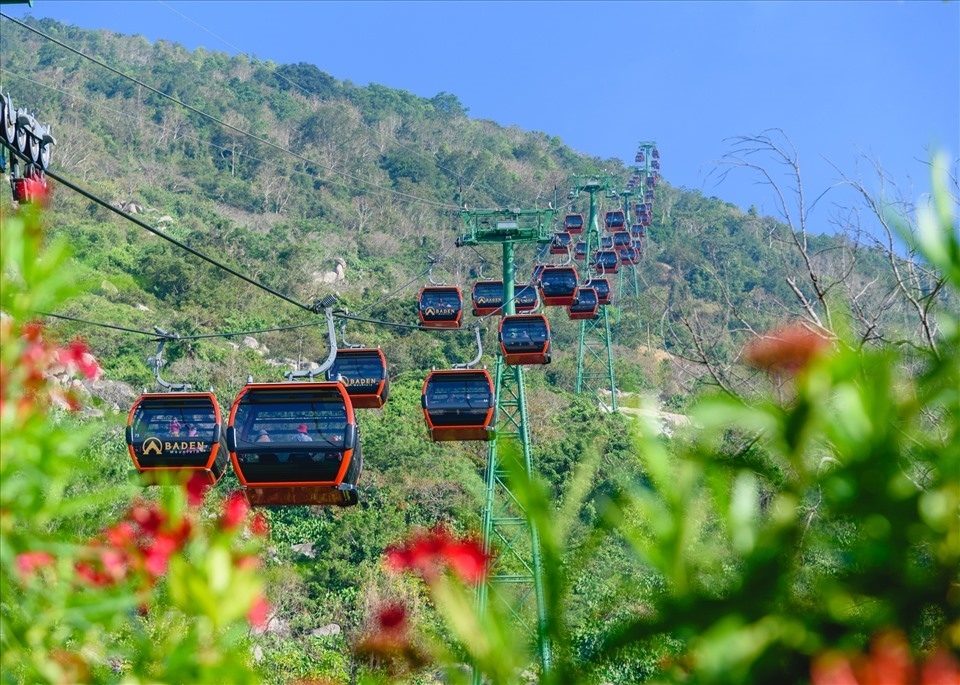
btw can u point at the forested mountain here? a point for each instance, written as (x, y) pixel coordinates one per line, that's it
(310, 185)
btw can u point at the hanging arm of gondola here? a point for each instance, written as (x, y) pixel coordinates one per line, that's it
(343, 329)
(156, 362)
(476, 360)
(327, 304)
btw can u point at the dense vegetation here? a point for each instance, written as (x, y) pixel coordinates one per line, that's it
(376, 181)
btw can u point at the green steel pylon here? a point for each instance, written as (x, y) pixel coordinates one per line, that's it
(515, 578)
(595, 351)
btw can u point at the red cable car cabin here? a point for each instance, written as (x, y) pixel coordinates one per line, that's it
(614, 220)
(295, 443)
(606, 242)
(636, 231)
(621, 239)
(363, 371)
(560, 243)
(525, 339)
(525, 297)
(176, 434)
(487, 297)
(458, 405)
(580, 250)
(606, 262)
(558, 285)
(628, 256)
(573, 223)
(602, 287)
(440, 306)
(586, 307)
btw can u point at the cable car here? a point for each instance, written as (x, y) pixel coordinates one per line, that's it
(655, 164)
(641, 208)
(648, 194)
(639, 158)
(580, 250)
(645, 220)
(560, 243)
(573, 223)
(458, 405)
(525, 297)
(525, 339)
(558, 285)
(614, 220)
(636, 231)
(656, 153)
(621, 239)
(440, 306)
(651, 181)
(586, 306)
(487, 297)
(602, 288)
(637, 245)
(628, 255)
(606, 261)
(176, 434)
(606, 242)
(363, 371)
(295, 443)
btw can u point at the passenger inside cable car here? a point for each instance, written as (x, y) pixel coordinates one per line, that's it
(458, 405)
(177, 434)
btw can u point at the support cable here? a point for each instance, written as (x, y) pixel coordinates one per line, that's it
(142, 224)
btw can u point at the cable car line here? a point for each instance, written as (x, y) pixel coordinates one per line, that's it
(142, 224)
(225, 124)
(198, 336)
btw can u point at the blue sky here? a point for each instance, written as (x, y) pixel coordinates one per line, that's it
(842, 79)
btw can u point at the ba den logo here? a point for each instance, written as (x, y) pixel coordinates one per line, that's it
(156, 446)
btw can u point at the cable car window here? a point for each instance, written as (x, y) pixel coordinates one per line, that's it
(172, 432)
(524, 334)
(606, 242)
(360, 370)
(558, 281)
(614, 219)
(524, 297)
(602, 288)
(487, 294)
(457, 398)
(621, 239)
(441, 305)
(573, 223)
(580, 250)
(607, 260)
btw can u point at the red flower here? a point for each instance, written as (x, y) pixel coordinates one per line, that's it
(235, 510)
(788, 349)
(147, 516)
(158, 554)
(468, 560)
(121, 536)
(428, 554)
(260, 525)
(197, 488)
(29, 562)
(77, 356)
(259, 612)
(392, 616)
